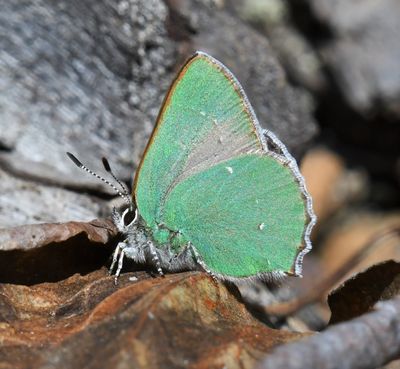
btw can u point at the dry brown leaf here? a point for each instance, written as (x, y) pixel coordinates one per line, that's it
(50, 252)
(323, 170)
(83, 320)
(33, 236)
(182, 320)
(360, 293)
(353, 233)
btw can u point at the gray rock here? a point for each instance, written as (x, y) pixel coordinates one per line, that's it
(86, 77)
(365, 52)
(23, 202)
(89, 77)
(296, 54)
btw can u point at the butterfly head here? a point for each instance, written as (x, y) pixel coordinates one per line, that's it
(125, 221)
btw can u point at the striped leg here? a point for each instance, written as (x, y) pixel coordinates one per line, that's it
(120, 263)
(115, 256)
(154, 257)
(200, 261)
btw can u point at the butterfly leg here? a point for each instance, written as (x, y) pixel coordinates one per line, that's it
(120, 263)
(115, 256)
(185, 260)
(123, 249)
(154, 257)
(200, 261)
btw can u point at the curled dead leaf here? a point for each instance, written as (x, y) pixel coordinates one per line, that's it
(360, 293)
(51, 252)
(33, 236)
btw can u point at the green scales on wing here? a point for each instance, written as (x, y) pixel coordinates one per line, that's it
(208, 179)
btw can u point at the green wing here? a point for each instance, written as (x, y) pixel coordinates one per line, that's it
(203, 121)
(205, 126)
(245, 216)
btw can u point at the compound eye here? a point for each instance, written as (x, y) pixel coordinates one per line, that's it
(129, 217)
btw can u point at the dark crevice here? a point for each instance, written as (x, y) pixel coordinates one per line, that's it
(178, 26)
(301, 16)
(54, 262)
(368, 142)
(4, 147)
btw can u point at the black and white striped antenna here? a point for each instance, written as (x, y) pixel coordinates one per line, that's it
(124, 193)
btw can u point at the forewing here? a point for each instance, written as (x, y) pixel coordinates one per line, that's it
(245, 216)
(205, 119)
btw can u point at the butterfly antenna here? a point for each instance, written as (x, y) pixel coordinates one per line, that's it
(123, 194)
(107, 167)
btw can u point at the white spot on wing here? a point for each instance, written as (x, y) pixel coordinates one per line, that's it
(229, 169)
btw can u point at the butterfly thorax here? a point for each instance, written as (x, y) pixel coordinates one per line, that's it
(159, 246)
(165, 238)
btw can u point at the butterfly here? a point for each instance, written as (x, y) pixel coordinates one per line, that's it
(214, 191)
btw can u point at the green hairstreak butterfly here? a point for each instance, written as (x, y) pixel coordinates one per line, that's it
(214, 191)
